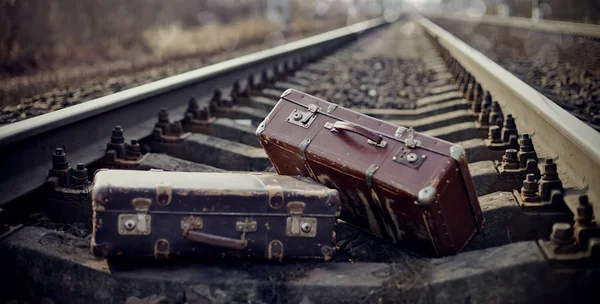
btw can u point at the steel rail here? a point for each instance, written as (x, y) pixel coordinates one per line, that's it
(555, 132)
(563, 27)
(83, 130)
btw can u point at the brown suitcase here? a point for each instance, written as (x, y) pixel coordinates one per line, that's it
(197, 214)
(398, 184)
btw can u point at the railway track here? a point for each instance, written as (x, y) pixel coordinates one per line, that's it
(412, 73)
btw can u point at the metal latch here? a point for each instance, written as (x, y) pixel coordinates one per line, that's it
(297, 225)
(139, 223)
(303, 118)
(410, 140)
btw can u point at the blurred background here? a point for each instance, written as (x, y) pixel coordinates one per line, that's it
(48, 44)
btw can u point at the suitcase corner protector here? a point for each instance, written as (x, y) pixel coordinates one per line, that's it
(100, 250)
(260, 128)
(286, 93)
(426, 196)
(457, 151)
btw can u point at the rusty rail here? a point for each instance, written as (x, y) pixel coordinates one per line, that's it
(558, 134)
(83, 128)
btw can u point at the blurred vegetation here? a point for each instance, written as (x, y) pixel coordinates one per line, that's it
(53, 33)
(585, 11)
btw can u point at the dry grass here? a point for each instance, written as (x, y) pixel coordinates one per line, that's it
(175, 41)
(57, 44)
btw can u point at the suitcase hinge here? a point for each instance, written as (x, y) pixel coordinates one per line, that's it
(299, 226)
(136, 224)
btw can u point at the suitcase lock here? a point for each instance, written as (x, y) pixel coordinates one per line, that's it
(302, 118)
(139, 223)
(297, 225)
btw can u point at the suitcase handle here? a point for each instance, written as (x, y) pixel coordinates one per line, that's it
(373, 137)
(215, 240)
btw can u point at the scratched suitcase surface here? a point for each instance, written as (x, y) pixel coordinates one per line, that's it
(192, 214)
(400, 185)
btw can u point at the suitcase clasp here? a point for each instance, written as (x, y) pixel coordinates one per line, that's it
(410, 140)
(139, 223)
(299, 226)
(302, 118)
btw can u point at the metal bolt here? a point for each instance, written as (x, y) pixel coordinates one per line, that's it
(297, 116)
(529, 191)
(494, 134)
(562, 233)
(484, 119)
(217, 94)
(129, 225)
(306, 227)
(499, 121)
(509, 128)
(192, 104)
(133, 149)
(59, 159)
(477, 99)
(510, 160)
(117, 135)
(411, 157)
(471, 91)
(496, 107)
(177, 128)
(235, 88)
(163, 115)
(488, 98)
(494, 118)
(525, 143)
(509, 123)
(550, 170)
(80, 175)
(204, 113)
(585, 211)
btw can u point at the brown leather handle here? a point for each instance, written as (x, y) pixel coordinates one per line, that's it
(215, 240)
(354, 128)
